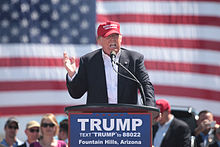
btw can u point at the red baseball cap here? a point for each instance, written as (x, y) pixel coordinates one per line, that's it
(163, 105)
(108, 28)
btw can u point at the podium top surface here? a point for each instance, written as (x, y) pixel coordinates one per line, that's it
(111, 108)
(114, 108)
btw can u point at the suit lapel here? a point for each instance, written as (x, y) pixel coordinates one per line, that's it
(168, 133)
(124, 60)
(102, 76)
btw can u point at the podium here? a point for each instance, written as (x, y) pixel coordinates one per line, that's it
(111, 125)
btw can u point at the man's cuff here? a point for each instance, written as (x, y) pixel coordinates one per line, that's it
(69, 78)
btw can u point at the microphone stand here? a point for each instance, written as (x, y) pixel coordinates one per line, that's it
(133, 79)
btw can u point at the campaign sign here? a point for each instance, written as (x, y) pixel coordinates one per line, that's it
(110, 129)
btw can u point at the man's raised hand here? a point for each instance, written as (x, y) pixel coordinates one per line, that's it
(69, 64)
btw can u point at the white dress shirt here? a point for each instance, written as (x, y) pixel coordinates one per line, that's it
(161, 132)
(111, 78)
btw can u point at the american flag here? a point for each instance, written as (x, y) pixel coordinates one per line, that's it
(180, 40)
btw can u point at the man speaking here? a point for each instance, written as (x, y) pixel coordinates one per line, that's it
(110, 75)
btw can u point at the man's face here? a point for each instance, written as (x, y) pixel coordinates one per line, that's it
(205, 116)
(48, 128)
(32, 134)
(110, 43)
(163, 117)
(205, 119)
(11, 130)
(62, 135)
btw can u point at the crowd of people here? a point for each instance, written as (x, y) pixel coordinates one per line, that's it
(38, 134)
(170, 131)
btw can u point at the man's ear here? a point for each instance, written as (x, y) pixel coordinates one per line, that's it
(99, 41)
(121, 38)
(157, 119)
(25, 131)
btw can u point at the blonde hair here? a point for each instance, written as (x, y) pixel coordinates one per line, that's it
(52, 118)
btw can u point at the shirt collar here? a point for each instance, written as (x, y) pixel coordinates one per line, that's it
(167, 123)
(204, 136)
(105, 56)
(16, 143)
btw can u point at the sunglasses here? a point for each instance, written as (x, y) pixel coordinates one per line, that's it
(13, 127)
(34, 130)
(51, 125)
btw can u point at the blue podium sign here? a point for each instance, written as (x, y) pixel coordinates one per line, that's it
(110, 129)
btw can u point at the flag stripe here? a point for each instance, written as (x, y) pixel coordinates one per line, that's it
(39, 97)
(160, 89)
(182, 67)
(164, 19)
(183, 79)
(16, 62)
(171, 31)
(194, 56)
(44, 50)
(192, 8)
(180, 43)
(150, 65)
(187, 92)
(32, 85)
(12, 62)
(32, 110)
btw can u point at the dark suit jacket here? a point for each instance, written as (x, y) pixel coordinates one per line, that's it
(199, 142)
(178, 134)
(91, 78)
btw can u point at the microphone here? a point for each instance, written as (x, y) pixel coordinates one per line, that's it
(113, 56)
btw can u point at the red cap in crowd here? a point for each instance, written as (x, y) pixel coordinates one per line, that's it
(163, 105)
(108, 28)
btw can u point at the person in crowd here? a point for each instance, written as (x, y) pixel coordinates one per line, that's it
(63, 131)
(49, 128)
(32, 132)
(97, 77)
(11, 129)
(216, 142)
(170, 131)
(205, 129)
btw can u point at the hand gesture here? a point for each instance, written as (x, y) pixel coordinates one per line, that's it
(69, 64)
(203, 126)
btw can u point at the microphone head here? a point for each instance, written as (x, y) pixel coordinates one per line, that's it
(112, 56)
(113, 53)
